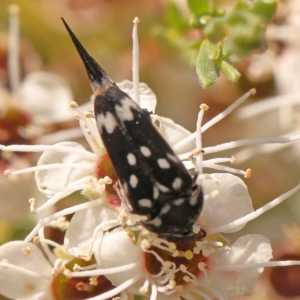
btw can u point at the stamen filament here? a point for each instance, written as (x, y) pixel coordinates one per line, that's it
(60, 214)
(216, 119)
(199, 139)
(255, 214)
(50, 167)
(49, 254)
(42, 148)
(223, 168)
(88, 137)
(201, 294)
(188, 296)
(246, 154)
(13, 49)
(118, 289)
(90, 267)
(54, 189)
(60, 136)
(135, 61)
(153, 295)
(263, 106)
(257, 265)
(51, 201)
(240, 143)
(218, 160)
(54, 244)
(98, 272)
(91, 125)
(21, 270)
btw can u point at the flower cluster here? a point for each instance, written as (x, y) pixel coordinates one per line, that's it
(106, 253)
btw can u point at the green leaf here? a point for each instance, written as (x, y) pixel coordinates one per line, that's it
(243, 4)
(200, 7)
(174, 17)
(194, 22)
(265, 8)
(231, 73)
(245, 32)
(215, 30)
(207, 67)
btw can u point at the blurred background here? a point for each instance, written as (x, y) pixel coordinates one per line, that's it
(105, 29)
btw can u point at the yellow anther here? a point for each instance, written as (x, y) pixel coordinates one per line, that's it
(76, 268)
(248, 173)
(196, 250)
(36, 240)
(67, 273)
(88, 114)
(136, 20)
(107, 180)
(43, 186)
(183, 268)
(202, 266)
(232, 159)
(214, 194)
(73, 104)
(172, 246)
(80, 286)
(205, 252)
(203, 106)
(196, 152)
(188, 254)
(143, 290)
(93, 280)
(26, 250)
(172, 284)
(7, 173)
(145, 244)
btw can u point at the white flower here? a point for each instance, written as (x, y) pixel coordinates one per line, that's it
(67, 167)
(26, 111)
(137, 261)
(24, 276)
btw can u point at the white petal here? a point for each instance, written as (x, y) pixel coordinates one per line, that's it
(46, 96)
(147, 97)
(232, 201)
(65, 175)
(248, 249)
(117, 249)
(174, 133)
(79, 235)
(19, 283)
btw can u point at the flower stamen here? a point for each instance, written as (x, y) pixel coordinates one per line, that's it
(255, 214)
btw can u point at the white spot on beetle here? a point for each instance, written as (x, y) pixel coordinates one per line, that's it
(172, 157)
(145, 151)
(163, 163)
(108, 121)
(194, 199)
(165, 210)
(145, 203)
(177, 183)
(162, 187)
(133, 181)
(178, 202)
(155, 192)
(131, 159)
(156, 222)
(124, 110)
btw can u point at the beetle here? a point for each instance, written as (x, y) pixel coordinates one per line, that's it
(153, 179)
